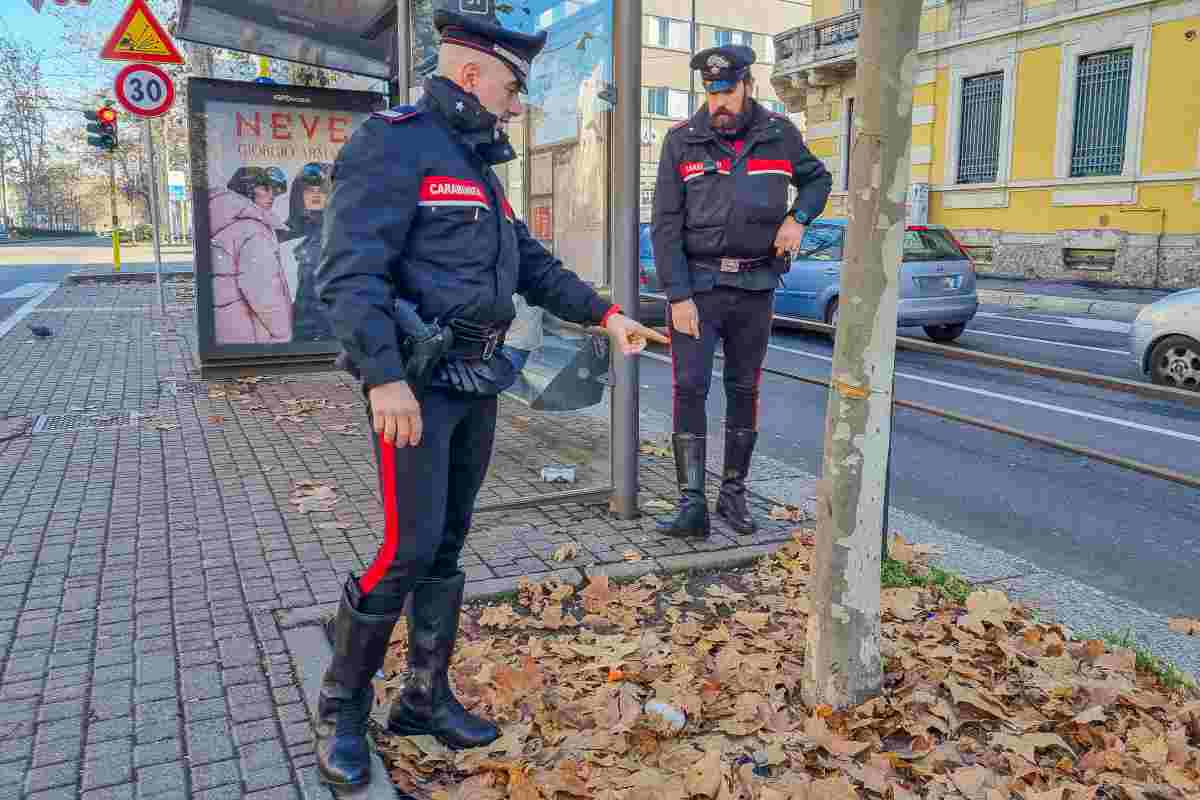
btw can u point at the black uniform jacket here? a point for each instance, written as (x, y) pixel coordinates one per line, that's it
(710, 202)
(415, 213)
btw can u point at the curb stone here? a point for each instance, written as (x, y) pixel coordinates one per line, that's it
(1110, 309)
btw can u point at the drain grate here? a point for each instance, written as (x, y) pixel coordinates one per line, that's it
(68, 423)
(177, 388)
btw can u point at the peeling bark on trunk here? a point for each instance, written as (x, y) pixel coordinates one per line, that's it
(843, 661)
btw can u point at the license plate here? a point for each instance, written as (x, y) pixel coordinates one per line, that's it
(940, 283)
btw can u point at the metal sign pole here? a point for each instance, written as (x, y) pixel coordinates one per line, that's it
(148, 139)
(403, 51)
(626, 182)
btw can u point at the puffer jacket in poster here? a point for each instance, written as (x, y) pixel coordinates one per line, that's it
(251, 300)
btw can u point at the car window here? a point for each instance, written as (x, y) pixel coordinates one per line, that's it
(823, 242)
(645, 243)
(930, 245)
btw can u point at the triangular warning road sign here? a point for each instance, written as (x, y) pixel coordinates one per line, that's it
(140, 37)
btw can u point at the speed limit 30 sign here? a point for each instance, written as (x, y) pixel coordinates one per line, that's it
(145, 90)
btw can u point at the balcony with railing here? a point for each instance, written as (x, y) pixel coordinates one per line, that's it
(812, 55)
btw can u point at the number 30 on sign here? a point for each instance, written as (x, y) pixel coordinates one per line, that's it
(145, 90)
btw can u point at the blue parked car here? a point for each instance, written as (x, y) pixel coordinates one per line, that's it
(937, 280)
(652, 311)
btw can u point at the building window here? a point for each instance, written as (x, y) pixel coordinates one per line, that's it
(677, 104)
(722, 37)
(979, 134)
(656, 100)
(1101, 113)
(666, 32)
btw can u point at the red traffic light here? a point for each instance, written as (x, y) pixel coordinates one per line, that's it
(107, 115)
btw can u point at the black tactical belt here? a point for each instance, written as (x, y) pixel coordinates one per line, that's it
(473, 340)
(734, 264)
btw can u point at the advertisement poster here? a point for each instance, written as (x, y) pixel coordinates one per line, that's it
(261, 158)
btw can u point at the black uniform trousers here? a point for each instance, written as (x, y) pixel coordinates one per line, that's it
(741, 320)
(429, 492)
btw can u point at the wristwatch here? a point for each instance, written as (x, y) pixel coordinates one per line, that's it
(800, 217)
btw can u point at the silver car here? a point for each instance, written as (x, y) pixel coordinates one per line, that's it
(1165, 340)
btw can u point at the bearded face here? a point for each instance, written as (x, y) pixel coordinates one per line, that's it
(729, 110)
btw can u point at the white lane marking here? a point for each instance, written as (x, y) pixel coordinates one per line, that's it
(25, 310)
(1106, 325)
(1137, 426)
(26, 290)
(1048, 341)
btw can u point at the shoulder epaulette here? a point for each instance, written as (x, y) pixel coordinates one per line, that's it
(398, 114)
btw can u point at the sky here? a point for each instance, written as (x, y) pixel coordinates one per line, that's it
(73, 72)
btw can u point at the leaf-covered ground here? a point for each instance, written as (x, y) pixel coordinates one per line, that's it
(980, 701)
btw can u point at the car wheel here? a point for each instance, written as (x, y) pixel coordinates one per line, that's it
(945, 333)
(1176, 362)
(831, 313)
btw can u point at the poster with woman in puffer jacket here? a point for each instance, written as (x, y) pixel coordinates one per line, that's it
(252, 303)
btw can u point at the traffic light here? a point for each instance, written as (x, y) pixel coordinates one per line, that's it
(104, 126)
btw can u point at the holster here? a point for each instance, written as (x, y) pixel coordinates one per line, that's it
(422, 356)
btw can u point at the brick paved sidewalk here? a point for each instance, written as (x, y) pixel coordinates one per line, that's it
(151, 558)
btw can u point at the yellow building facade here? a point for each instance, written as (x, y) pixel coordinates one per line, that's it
(1058, 138)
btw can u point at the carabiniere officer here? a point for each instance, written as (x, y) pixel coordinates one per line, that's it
(417, 222)
(723, 237)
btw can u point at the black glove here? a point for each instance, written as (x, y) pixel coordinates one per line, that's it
(476, 376)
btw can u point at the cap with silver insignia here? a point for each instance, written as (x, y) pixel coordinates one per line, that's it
(473, 24)
(722, 67)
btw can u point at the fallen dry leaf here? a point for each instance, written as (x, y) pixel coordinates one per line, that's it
(788, 513)
(901, 603)
(565, 552)
(309, 496)
(900, 550)
(704, 778)
(1191, 627)
(631, 555)
(215, 419)
(986, 605)
(655, 450)
(657, 506)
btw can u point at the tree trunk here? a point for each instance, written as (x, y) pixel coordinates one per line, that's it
(843, 661)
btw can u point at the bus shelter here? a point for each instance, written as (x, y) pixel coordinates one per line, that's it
(569, 427)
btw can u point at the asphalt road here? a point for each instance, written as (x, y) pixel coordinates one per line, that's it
(1121, 532)
(50, 261)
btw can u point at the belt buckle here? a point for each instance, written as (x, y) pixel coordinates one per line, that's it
(731, 265)
(489, 345)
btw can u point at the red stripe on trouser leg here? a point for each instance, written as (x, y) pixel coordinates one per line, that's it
(674, 379)
(391, 526)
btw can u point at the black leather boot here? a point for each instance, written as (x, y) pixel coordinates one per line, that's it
(344, 706)
(692, 517)
(426, 704)
(731, 503)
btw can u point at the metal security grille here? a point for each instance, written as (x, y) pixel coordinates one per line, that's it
(67, 423)
(979, 144)
(183, 387)
(1101, 113)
